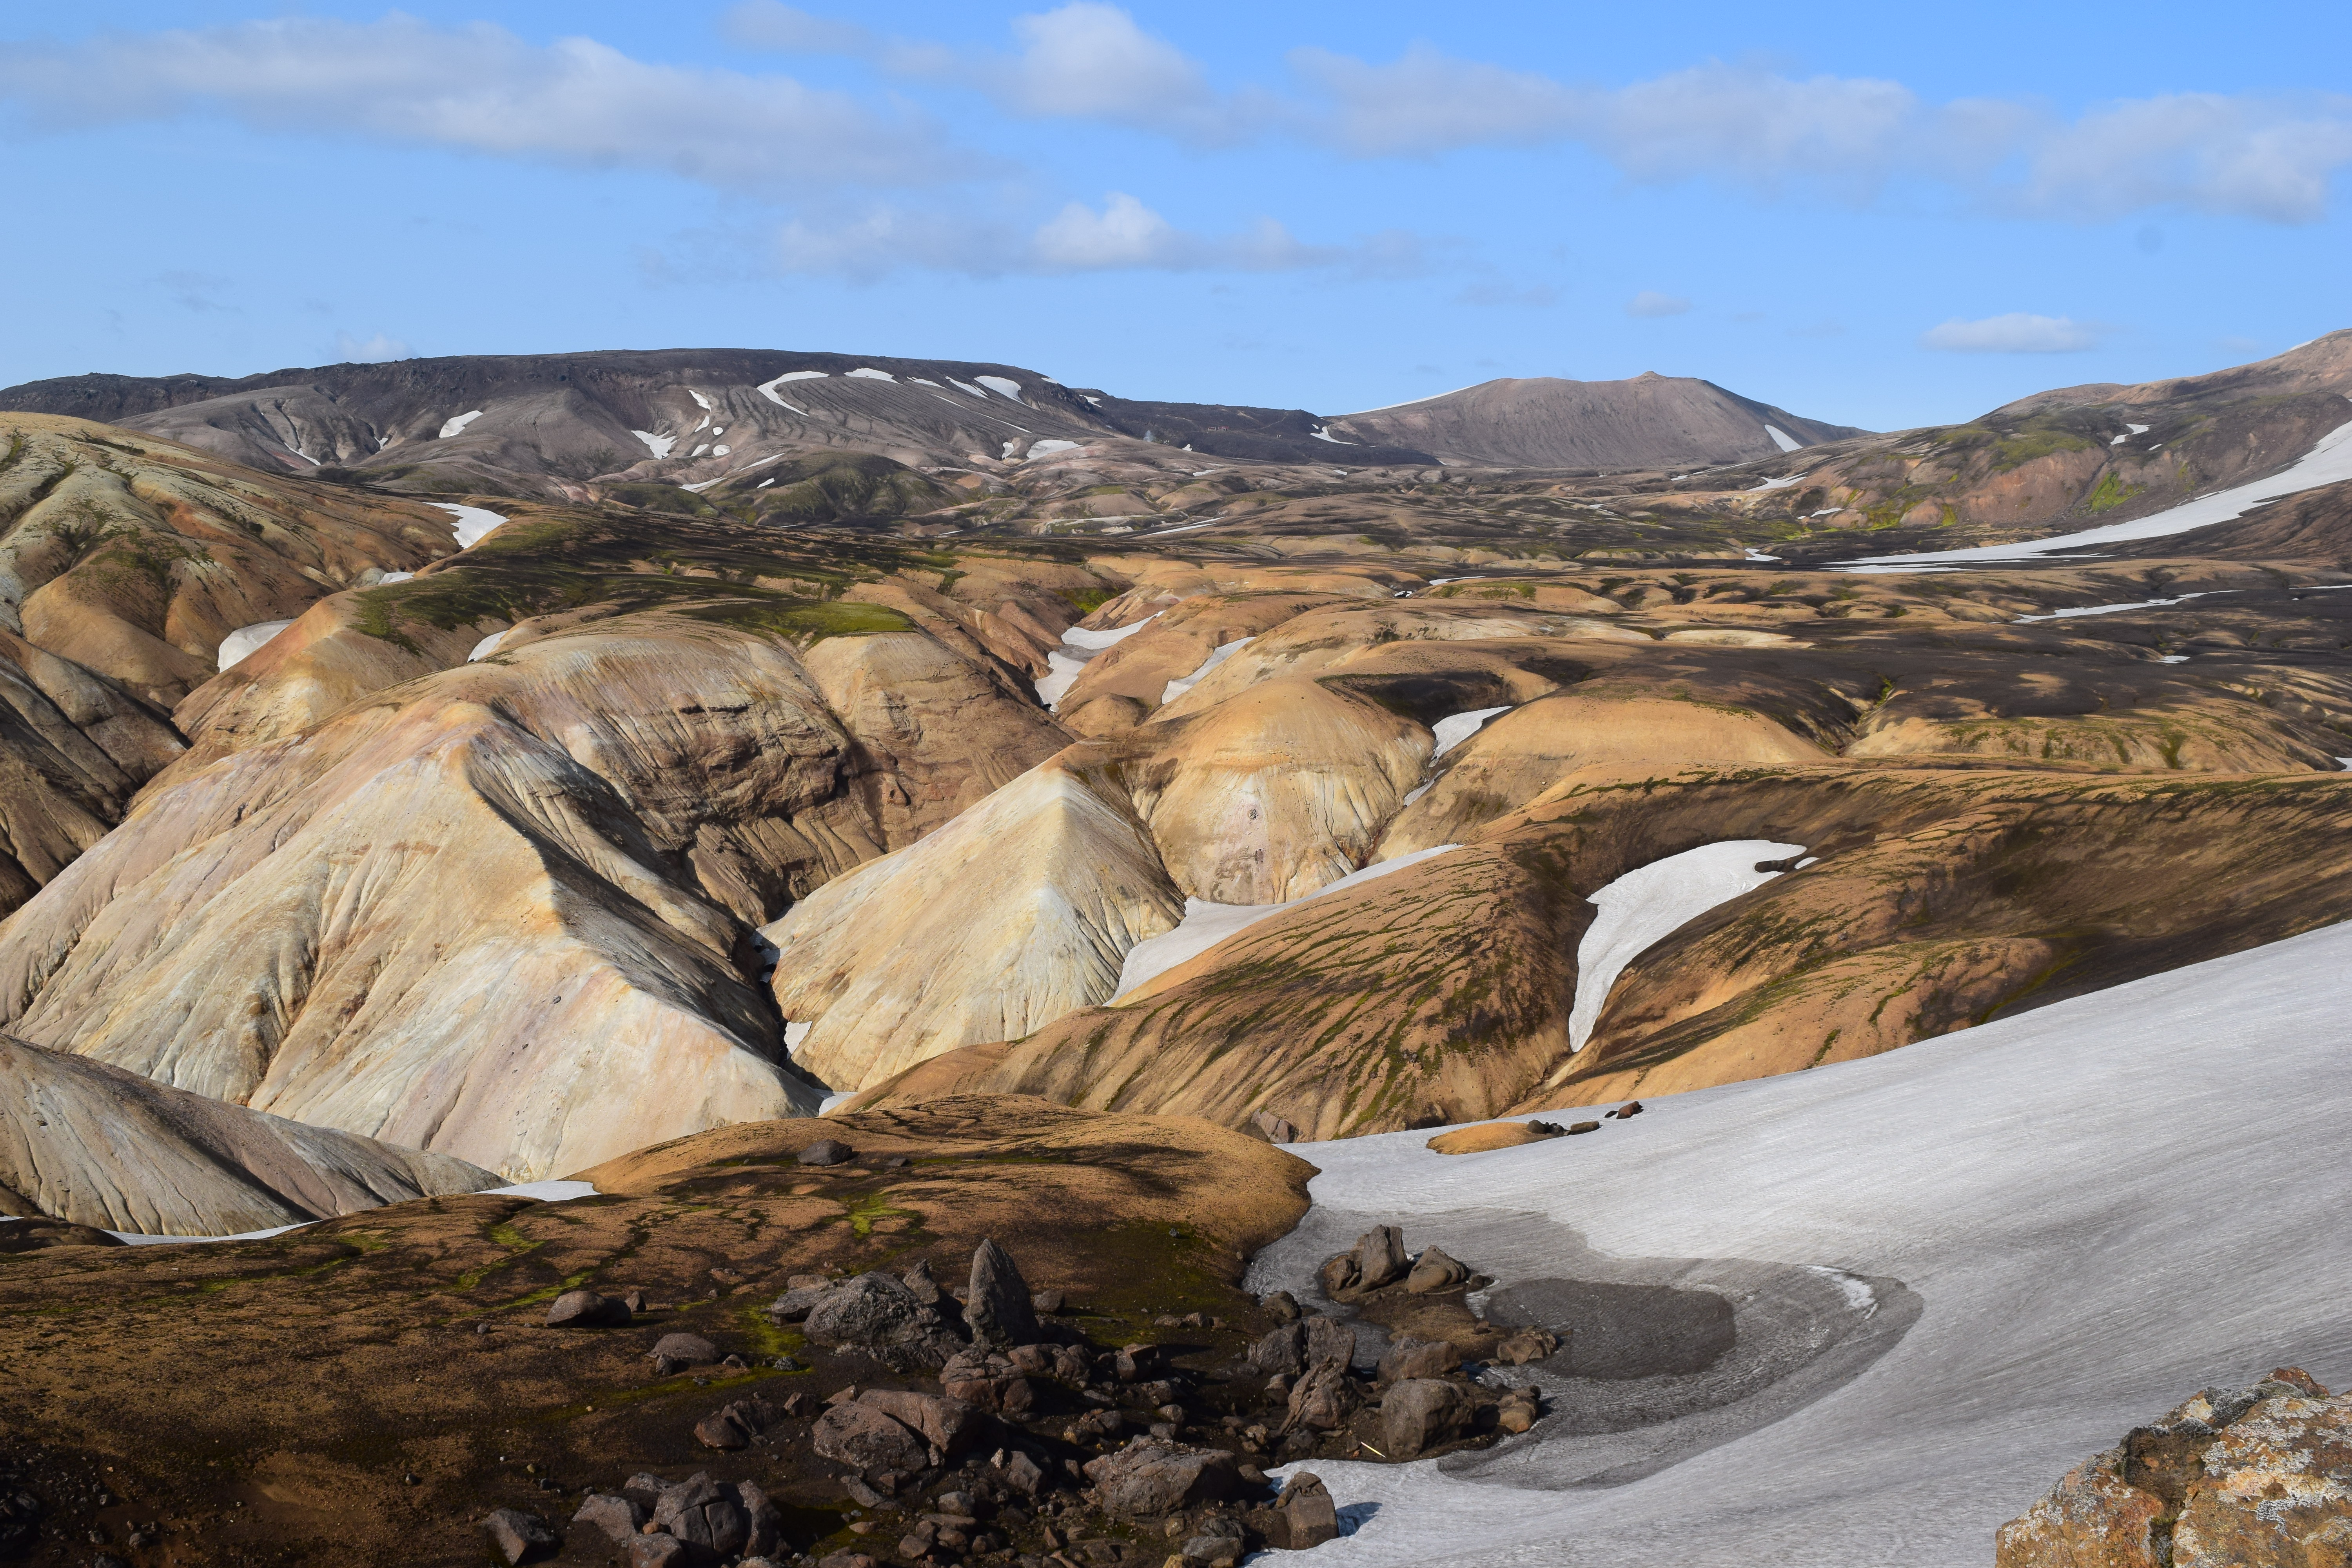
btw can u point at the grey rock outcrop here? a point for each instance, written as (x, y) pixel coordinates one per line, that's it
(998, 1307)
(1150, 1476)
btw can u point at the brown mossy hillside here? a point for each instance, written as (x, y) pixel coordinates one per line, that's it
(365, 1390)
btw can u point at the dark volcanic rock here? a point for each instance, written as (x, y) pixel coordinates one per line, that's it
(998, 1307)
(860, 1434)
(658, 1551)
(1150, 1476)
(708, 1518)
(518, 1537)
(684, 1349)
(877, 1313)
(827, 1151)
(586, 1309)
(1377, 1260)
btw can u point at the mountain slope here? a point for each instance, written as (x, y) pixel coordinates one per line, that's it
(1650, 421)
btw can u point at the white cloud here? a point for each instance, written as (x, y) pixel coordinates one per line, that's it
(481, 89)
(376, 349)
(1430, 102)
(1650, 303)
(2271, 158)
(1125, 233)
(2015, 333)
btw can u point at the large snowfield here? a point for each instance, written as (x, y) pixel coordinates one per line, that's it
(2051, 1228)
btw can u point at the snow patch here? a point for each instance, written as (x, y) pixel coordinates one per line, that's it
(704, 402)
(1008, 445)
(826, 1106)
(767, 389)
(1752, 554)
(2072, 611)
(1176, 689)
(1062, 668)
(1455, 728)
(1183, 528)
(545, 1192)
(1645, 906)
(484, 649)
(866, 372)
(1206, 924)
(966, 386)
(1782, 439)
(396, 577)
(1323, 433)
(720, 451)
(658, 446)
(699, 450)
(1001, 384)
(243, 642)
(1777, 484)
(474, 524)
(451, 426)
(133, 1239)
(1047, 448)
(919, 381)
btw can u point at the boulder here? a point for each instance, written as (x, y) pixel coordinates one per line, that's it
(616, 1516)
(1526, 1345)
(708, 1518)
(1419, 1413)
(1152, 1475)
(802, 1293)
(2256, 1478)
(518, 1537)
(1328, 1339)
(658, 1551)
(1432, 1272)
(1282, 1306)
(732, 1427)
(766, 1519)
(1304, 1515)
(921, 1285)
(997, 1308)
(1410, 1358)
(1323, 1399)
(1281, 1353)
(947, 1426)
(1377, 1260)
(586, 1309)
(866, 1438)
(827, 1151)
(684, 1349)
(1220, 1544)
(877, 1313)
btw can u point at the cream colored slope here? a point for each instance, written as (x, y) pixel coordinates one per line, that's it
(1277, 791)
(1518, 755)
(456, 917)
(1019, 910)
(99, 1146)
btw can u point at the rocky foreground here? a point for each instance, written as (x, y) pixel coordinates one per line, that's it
(989, 1330)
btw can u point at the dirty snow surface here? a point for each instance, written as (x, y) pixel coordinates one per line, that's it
(474, 524)
(1206, 924)
(1177, 688)
(1047, 448)
(658, 446)
(246, 641)
(1081, 644)
(2327, 463)
(1645, 905)
(1455, 728)
(2065, 1222)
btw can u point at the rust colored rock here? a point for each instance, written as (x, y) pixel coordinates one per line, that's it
(1526, 1345)
(1433, 1271)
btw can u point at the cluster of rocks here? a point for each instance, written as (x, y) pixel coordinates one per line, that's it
(1024, 1444)
(2253, 1478)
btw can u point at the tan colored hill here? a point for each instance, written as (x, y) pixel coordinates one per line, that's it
(1545, 422)
(94, 1145)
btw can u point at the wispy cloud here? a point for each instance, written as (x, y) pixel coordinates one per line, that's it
(2015, 333)
(481, 89)
(377, 349)
(1649, 304)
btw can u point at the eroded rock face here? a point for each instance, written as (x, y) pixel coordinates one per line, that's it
(98, 1146)
(877, 1313)
(2260, 1477)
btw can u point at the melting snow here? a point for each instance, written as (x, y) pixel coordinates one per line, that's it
(767, 389)
(134, 1239)
(966, 386)
(1642, 907)
(700, 398)
(2111, 609)
(1323, 433)
(919, 381)
(720, 451)
(245, 641)
(1456, 728)
(2032, 1238)
(1008, 445)
(2174, 659)
(451, 426)
(2329, 461)
(1004, 385)
(1062, 668)
(1782, 439)
(1178, 688)
(1206, 924)
(658, 446)
(484, 649)
(1755, 554)
(396, 577)
(825, 1107)
(863, 373)
(1047, 448)
(699, 450)
(474, 524)
(1777, 484)
(1183, 528)
(545, 1192)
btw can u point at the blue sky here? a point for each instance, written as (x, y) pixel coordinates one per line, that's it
(1878, 215)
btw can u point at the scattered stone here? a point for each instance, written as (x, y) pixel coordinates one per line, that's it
(1421, 1412)
(1047, 1301)
(1133, 1363)
(1304, 1515)
(1432, 1272)
(708, 1518)
(1020, 1472)
(1219, 1544)
(947, 1426)
(1409, 1357)
(827, 1151)
(586, 1309)
(859, 1492)
(518, 1537)
(652, 1485)
(657, 1552)
(896, 1162)
(997, 1305)
(1152, 1475)
(684, 1350)
(1283, 1305)
(877, 1313)
(1627, 1112)
(1518, 1411)
(616, 1516)
(1526, 1345)
(1575, 1127)
(1377, 1260)
(1323, 1399)
(733, 1426)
